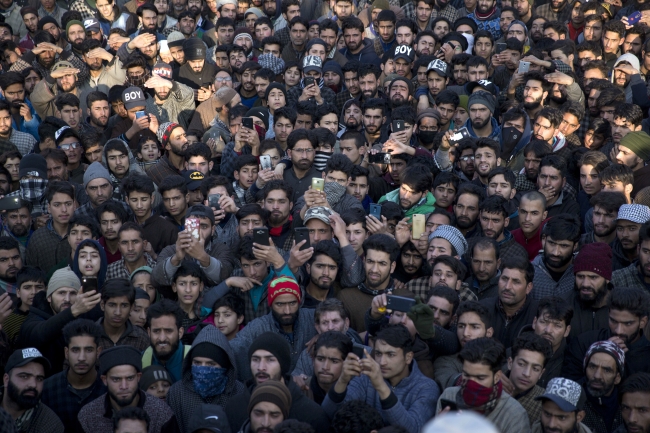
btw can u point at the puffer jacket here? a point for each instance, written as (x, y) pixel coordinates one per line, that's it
(182, 396)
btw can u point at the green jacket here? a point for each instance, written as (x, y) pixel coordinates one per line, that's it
(424, 206)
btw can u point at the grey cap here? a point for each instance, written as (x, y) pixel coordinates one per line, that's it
(319, 212)
(566, 393)
(453, 235)
(637, 213)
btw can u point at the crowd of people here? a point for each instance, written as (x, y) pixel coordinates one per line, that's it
(304, 216)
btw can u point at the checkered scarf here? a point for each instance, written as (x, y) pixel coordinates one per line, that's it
(479, 398)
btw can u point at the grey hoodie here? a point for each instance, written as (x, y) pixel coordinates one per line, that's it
(182, 395)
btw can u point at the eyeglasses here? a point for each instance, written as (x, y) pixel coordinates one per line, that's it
(69, 146)
(222, 79)
(307, 151)
(467, 158)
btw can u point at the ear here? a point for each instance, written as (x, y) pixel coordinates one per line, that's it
(580, 416)
(510, 363)
(544, 95)
(65, 353)
(236, 174)
(187, 164)
(498, 162)
(513, 193)
(104, 380)
(181, 332)
(567, 332)
(392, 267)
(102, 304)
(643, 322)
(545, 214)
(529, 287)
(628, 189)
(489, 332)
(308, 268)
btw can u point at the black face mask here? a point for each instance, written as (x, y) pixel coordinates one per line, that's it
(511, 137)
(426, 137)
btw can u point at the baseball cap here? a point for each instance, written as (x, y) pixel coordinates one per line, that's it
(62, 64)
(438, 66)
(637, 213)
(163, 70)
(92, 25)
(566, 393)
(404, 52)
(133, 97)
(208, 417)
(202, 211)
(193, 179)
(22, 357)
(486, 85)
(312, 63)
(319, 212)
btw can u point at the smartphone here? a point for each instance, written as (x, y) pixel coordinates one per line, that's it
(380, 158)
(523, 66)
(10, 203)
(265, 162)
(309, 81)
(139, 114)
(358, 349)
(634, 18)
(261, 236)
(88, 284)
(399, 303)
(317, 183)
(459, 135)
(213, 201)
(247, 122)
(448, 403)
(418, 225)
(398, 125)
(192, 226)
(375, 210)
(501, 47)
(301, 234)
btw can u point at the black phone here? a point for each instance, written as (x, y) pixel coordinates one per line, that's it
(213, 201)
(357, 349)
(399, 303)
(301, 234)
(380, 158)
(309, 81)
(261, 236)
(10, 203)
(501, 47)
(398, 125)
(448, 403)
(247, 122)
(88, 284)
(375, 210)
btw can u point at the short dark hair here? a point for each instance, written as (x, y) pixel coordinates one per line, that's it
(59, 187)
(617, 173)
(556, 309)
(173, 182)
(230, 300)
(164, 307)
(356, 416)
(118, 287)
(495, 204)
(446, 293)
(331, 305)
(132, 413)
(638, 382)
(521, 264)
(114, 207)
(278, 184)
(298, 135)
(533, 343)
(84, 221)
(417, 177)
(553, 115)
(188, 269)
(555, 161)
(484, 350)
(334, 340)
(383, 243)
(563, 227)
(474, 307)
(635, 301)
(81, 327)
(327, 248)
(28, 274)
(136, 182)
(608, 200)
(396, 336)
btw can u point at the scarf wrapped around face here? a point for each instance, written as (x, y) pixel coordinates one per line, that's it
(209, 381)
(32, 189)
(479, 398)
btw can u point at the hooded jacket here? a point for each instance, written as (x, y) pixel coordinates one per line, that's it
(103, 266)
(182, 394)
(424, 206)
(496, 129)
(365, 56)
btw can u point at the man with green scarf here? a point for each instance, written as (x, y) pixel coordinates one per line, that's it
(414, 194)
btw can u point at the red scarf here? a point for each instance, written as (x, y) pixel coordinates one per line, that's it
(277, 231)
(480, 398)
(487, 15)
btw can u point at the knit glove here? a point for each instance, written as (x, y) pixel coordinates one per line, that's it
(420, 91)
(422, 316)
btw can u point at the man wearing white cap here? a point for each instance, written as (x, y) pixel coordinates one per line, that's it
(628, 224)
(311, 86)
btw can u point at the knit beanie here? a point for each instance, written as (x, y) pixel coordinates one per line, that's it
(610, 348)
(242, 33)
(639, 143)
(483, 98)
(141, 294)
(275, 344)
(212, 351)
(33, 163)
(164, 131)
(283, 286)
(596, 258)
(194, 49)
(119, 355)
(464, 99)
(261, 113)
(96, 171)
(175, 39)
(64, 277)
(28, 10)
(153, 374)
(46, 20)
(408, 82)
(382, 5)
(258, 13)
(315, 41)
(278, 86)
(224, 95)
(274, 392)
(333, 66)
(71, 23)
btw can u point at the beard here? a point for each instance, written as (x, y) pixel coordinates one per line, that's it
(122, 402)
(19, 230)
(557, 262)
(77, 45)
(533, 105)
(194, 10)
(321, 286)
(173, 346)
(21, 400)
(595, 299)
(563, 96)
(47, 64)
(102, 121)
(465, 223)
(283, 320)
(399, 102)
(479, 124)
(94, 66)
(163, 97)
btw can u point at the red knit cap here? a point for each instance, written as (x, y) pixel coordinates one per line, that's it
(283, 286)
(596, 258)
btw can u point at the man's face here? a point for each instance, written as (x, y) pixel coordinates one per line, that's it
(441, 29)
(555, 420)
(237, 58)
(356, 234)
(322, 272)
(328, 365)
(425, 46)
(10, 264)
(492, 224)
(285, 309)
(352, 116)
(470, 327)
(31, 22)
(131, 245)
(353, 39)
(436, 83)
(24, 385)
(589, 179)
(99, 113)
(118, 163)
(408, 197)
(31, 80)
(445, 194)
(513, 287)
(611, 42)
(122, 383)
(460, 74)
(225, 35)
(109, 225)
(162, 6)
(591, 287)
(187, 25)
(405, 36)
(318, 231)
(149, 20)
(626, 325)
(343, 9)
(602, 374)
(485, 160)
(72, 116)
(264, 416)
(507, 17)
(552, 330)
(164, 336)
(302, 155)
(443, 275)
(330, 37)
(466, 210)
(19, 221)
(62, 299)
(298, 35)
(351, 81)
(386, 30)
(480, 116)
(484, 264)
(604, 221)
(279, 206)
(61, 207)
(570, 124)
(395, 168)
(534, 94)
(633, 44)
(625, 156)
(378, 268)
(635, 409)
(392, 360)
(282, 127)
(399, 93)
(498, 185)
(550, 177)
(482, 48)
(357, 187)
(557, 253)
(525, 369)
(78, 234)
(593, 32)
(14, 93)
(116, 311)
(438, 247)
(627, 233)
(466, 162)
(81, 354)
(76, 34)
(179, 6)
(99, 190)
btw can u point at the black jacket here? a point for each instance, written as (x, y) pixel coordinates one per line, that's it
(507, 333)
(586, 319)
(302, 408)
(636, 357)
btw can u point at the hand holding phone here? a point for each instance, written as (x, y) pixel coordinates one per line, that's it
(88, 284)
(192, 225)
(247, 122)
(634, 18)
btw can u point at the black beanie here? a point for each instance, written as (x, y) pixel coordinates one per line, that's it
(212, 351)
(275, 344)
(46, 20)
(194, 49)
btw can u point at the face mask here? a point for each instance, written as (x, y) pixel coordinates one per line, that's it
(426, 137)
(261, 132)
(209, 381)
(32, 189)
(334, 191)
(511, 137)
